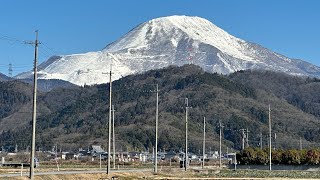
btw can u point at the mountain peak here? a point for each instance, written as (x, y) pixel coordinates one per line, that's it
(171, 40)
(174, 28)
(179, 18)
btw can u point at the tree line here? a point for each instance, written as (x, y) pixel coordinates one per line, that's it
(259, 156)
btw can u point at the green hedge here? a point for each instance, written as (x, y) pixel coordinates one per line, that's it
(288, 157)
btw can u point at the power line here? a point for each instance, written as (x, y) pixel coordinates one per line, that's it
(53, 51)
(11, 39)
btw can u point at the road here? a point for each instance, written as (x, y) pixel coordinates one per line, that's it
(75, 172)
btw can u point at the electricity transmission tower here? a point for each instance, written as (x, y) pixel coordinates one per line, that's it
(10, 70)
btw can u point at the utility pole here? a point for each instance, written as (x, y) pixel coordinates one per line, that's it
(109, 129)
(204, 141)
(156, 145)
(247, 138)
(220, 134)
(275, 141)
(261, 140)
(186, 155)
(270, 138)
(34, 111)
(300, 144)
(113, 140)
(243, 137)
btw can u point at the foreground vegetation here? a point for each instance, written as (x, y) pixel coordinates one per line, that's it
(181, 174)
(288, 157)
(270, 174)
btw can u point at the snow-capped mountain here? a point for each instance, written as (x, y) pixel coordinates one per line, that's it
(173, 40)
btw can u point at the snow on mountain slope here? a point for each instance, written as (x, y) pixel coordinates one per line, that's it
(173, 40)
(81, 69)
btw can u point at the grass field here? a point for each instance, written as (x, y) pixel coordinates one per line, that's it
(177, 173)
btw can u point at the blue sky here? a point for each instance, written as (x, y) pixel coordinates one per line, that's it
(289, 27)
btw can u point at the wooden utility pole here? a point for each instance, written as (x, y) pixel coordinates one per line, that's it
(34, 111)
(113, 140)
(243, 137)
(261, 140)
(109, 129)
(186, 155)
(220, 135)
(270, 136)
(247, 137)
(156, 144)
(204, 141)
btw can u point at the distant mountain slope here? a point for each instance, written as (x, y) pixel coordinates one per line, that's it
(15, 97)
(49, 84)
(77, 117)
(173, 40)
(303, 93)
(4, 77)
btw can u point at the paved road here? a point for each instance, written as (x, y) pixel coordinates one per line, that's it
(75, 172)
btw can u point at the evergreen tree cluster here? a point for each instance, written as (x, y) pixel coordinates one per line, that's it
(286, 157)
(78, 116)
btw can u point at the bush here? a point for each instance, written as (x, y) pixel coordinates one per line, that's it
(288, 157)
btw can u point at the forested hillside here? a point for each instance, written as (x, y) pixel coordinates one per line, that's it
(78, 116)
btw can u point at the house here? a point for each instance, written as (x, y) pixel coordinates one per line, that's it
(97, 149)
(134, 156)
(171, 155)
(67, 155)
